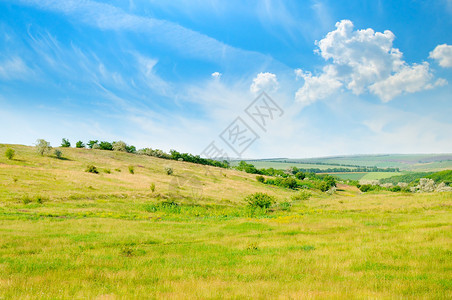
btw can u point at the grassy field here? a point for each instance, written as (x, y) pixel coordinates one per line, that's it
(260, 164)
(65, 233)
(407, 162)
(365, 175)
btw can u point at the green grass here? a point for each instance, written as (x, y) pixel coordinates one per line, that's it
(407, 162)
(109, 236)
(379, 175)
(281, 165)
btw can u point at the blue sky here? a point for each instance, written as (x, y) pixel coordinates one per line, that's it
(352, 77)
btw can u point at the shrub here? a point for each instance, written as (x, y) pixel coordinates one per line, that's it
(286, 205)
(26, 199)
(40, 199)
(105, 146)
(152, 187)
(369, 187)
(260, 200)
(120, 146)
(96, 146)
(79, 144)
(65, 143)
(302, 195)
(91, 143)
(118, 170)
(260, 178)
(289, 182)
(131, 149)
(169, 170)
(10, 153)
(322, 185)
(300, 175)
(58, 154)
(42, 147)
(396, 188)
(131, 170)
(91, 169)
(107, 171)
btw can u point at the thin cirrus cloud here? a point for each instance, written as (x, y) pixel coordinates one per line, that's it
(14, 68)
(186, 41)
(363, 61)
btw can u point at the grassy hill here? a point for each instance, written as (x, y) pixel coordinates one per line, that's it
(67, 233)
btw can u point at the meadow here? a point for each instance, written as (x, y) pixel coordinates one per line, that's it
(67, 233)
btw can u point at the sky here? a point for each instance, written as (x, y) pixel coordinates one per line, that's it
(340, 77)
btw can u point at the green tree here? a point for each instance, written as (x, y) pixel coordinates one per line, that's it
(42, 147)
(65, 143)
(10, 153)
(58, 153)
(80, 144)
(105, 145)
(91, 143)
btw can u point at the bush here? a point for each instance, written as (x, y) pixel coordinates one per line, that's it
(58, 154)
(397, 188)
(152, 187)
(260, 200)
(91, 169)
(286, 205)
(105, 146)
(300, 175)
(10, 153)
(79, 144)
(108, 171)
(42, 147)
(260, 178)
(322, 185)
(169, 170)
(120, 146)
(302, 195)
(290, 183)
(91, 143)
(65, 143)
(131, 170)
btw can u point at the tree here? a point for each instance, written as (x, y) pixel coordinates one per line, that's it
(10, 153)
(120, 146)
(58, 153)
(42, 146)
(65, 143)
(105, 145)
(91, 143)
(79, 144)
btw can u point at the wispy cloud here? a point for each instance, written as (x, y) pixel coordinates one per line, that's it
(186, 41)
(14, 68)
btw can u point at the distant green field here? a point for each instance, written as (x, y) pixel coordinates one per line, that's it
(349, 176)
(366, 176)
(260, 164)
(407, 162)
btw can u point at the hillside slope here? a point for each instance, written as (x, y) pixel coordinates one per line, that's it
(63, 179)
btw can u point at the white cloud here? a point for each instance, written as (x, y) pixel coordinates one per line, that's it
(364, 61)
(264, 82)
(316, 87)
(409, 79)
(14, 68)
(443, 54)
(216, 75)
